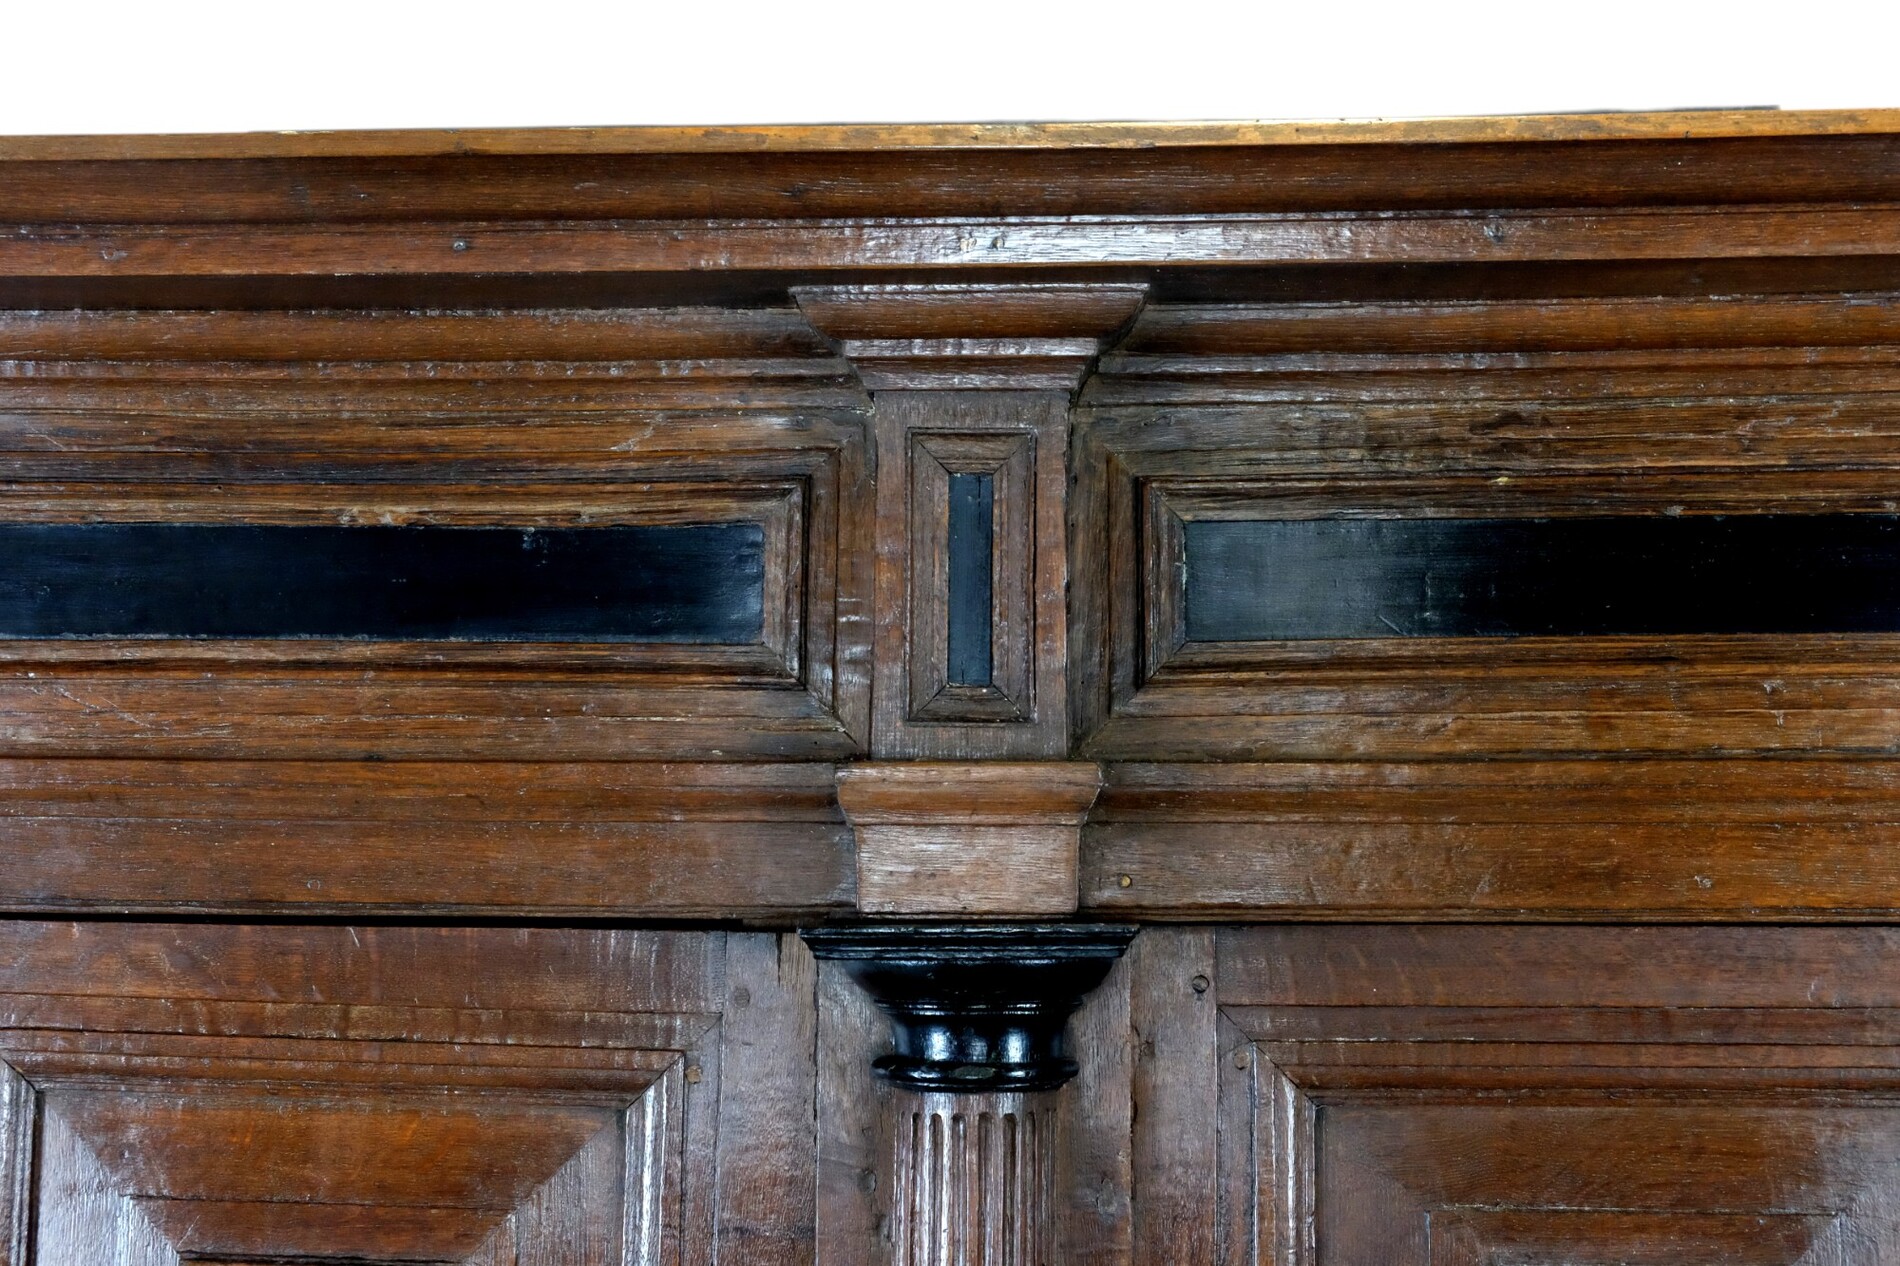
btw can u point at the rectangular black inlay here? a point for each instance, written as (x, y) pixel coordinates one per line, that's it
(686, 583)
(1639, 575)
(971, 546)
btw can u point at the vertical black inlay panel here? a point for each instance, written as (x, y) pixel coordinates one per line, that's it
(653, 583)
(1649, 575)
(971, 547)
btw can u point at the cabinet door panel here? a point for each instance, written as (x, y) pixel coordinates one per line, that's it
(368, 1095)
(1464, 1096)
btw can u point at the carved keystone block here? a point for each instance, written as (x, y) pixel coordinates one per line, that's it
(967, 839)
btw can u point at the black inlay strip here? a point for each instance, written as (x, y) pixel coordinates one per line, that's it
(686, 583)
(1637, 575)
(972, 543)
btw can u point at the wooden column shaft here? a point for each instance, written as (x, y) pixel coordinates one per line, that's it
(978, 1015)
(974, 1180)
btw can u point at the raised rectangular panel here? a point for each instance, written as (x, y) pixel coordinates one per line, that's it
(231, 1094)
(1447, 1096)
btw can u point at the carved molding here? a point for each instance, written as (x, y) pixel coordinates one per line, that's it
(983, 839)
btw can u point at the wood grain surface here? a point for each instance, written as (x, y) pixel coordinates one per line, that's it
(459, 951)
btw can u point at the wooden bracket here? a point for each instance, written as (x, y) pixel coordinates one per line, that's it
(953, 839)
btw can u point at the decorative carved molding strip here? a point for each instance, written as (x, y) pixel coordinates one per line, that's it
(1034, 244)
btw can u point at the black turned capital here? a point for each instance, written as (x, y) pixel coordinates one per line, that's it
(976, 1007)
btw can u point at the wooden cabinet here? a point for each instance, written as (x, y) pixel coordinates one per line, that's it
(1303, 695)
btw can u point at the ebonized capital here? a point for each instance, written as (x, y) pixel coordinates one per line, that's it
(976, 1008)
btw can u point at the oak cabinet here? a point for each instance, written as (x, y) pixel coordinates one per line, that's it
(1320, 695)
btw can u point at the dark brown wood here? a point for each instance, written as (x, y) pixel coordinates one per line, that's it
(1546, 839)
(1171, 1024)
(409, 432)
(1638, 1095)
(857, 1117)
(1127, 331)
(499, 838)
(379, 1094)
(971, 379)
(1015, 436)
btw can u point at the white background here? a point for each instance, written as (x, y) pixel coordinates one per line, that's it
(198, 65)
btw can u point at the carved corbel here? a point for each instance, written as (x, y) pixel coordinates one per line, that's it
(972, 386)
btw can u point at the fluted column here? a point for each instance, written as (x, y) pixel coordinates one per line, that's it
(978, 1015)
(974, 1180)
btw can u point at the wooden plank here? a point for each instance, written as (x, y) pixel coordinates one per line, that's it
(503, 837)
(855, 1112)
(19, 1122)
(767, 1172)
(473, 248)
(1481, 966)
(1695, 840)
(1176, 1070)
(1626, 125)
(500, 969)
(1095, 1164)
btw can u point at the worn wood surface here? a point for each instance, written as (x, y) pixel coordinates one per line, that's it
(983, 839)
(497, 838)
(1129, 330)
(1019, 436)
(1616, 125)
(1477, 1094)
(974, 1180)
(389, 1094)
(1674, 839)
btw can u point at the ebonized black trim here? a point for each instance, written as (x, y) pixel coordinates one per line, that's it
(976, 1007)
(970, 567)
(1654, 575)
(701, 583)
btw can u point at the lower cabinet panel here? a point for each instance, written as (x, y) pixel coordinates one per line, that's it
(1289, 1095)
(270, 1094)
(1573, 1095)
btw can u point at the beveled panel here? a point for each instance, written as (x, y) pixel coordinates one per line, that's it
(384, 1095)
(1446, 1096)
